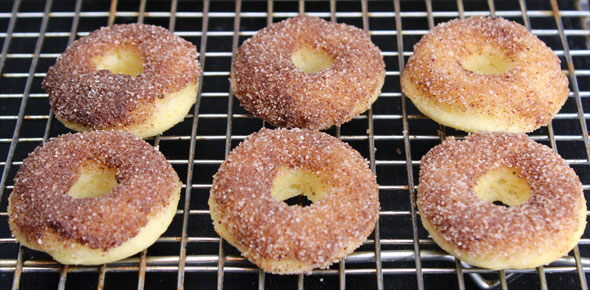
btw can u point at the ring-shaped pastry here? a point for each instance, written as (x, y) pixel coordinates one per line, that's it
(65, 203)
(484, 74)
(137, 78)
(543, 214)
(309, 73)
(271, 166)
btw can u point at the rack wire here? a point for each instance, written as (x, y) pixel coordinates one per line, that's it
(393, 136)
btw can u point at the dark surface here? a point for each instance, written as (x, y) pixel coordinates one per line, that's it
(395, 229)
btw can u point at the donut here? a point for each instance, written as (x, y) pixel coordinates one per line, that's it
(542, 210)
(137, 78)
(309, 73)
(93, 198)
(268, 167)
(485, 74)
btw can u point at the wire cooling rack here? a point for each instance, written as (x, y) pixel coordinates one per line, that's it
(392, 136)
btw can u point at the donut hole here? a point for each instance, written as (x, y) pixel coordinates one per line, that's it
(503, 187)
(300, 200)
(311, 60)
(489, 61)
(120, 60)
(499, 203)
(94, 180)
(294, 186)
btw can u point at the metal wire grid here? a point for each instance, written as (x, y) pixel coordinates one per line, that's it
(27, 128)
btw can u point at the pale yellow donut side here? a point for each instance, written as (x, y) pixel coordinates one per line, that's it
(164, 114)
(528, 258)
(451, 117)
(67, 252)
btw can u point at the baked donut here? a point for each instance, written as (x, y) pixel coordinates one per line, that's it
(459, 181)
(93, 198)
(138, 78)
(309, 73)
(485, 74)
(247, 208)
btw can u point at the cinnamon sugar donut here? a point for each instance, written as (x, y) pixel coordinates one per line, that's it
(309, 73)
(93, 198)
(137, 78)
(270, 166)
(484, 74)
(545, 213)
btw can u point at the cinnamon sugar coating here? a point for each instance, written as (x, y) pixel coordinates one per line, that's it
(521, 99)
(99, 99)
(40, 203)
(267, 83)
(267, 230)
(552, 220)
